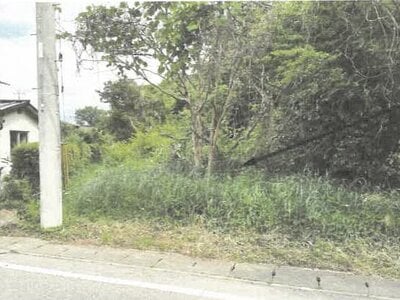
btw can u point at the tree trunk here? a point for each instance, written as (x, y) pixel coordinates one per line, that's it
(197, 134)
(212, 153)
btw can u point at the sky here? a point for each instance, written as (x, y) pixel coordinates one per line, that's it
(18, 57)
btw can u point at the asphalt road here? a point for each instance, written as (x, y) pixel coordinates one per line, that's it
(36, 269)
(33, 277)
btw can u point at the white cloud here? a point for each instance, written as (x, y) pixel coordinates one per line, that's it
(18, 66)
(22, 12)
(18, 60)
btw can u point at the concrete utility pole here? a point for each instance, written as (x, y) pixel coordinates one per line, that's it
(49, 118)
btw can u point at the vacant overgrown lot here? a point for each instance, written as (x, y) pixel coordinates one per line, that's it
(248, 91)
(305, 207)
(298, 220)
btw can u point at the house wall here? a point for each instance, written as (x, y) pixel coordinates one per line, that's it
(13, 120)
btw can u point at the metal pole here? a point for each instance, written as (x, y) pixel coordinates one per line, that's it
(49, 118)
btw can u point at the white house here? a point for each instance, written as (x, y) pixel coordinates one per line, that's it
(18, 124)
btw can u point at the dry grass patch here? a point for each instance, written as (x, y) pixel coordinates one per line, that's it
(358, 256)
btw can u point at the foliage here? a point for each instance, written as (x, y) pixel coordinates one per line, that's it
(198, 46)
(80, 147)
(149, 148)
(91, 116)
(256, 77)
(314, 83)
(88, 143)
(25, 163)
(15, 193)
(131, 108)
(301, 206)
(332, 68)
(78, 150)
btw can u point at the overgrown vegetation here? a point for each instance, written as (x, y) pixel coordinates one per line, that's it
(210, 158)
(305, 207)
(257, 78)
(22, 185)
(25, 164)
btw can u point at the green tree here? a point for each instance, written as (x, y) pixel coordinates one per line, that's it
(256, 79)
(199, 46)
(132, 107)
(332, 65)
(91, 116)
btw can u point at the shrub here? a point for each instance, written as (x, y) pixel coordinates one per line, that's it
(148, 148)
(25, 163)
(30, 212)
(15, 193)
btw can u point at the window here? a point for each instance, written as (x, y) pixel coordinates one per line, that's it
(18, 137)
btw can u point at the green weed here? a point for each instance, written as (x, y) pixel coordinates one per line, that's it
(304, 206)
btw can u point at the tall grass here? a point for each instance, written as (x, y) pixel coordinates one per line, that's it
(303, 206)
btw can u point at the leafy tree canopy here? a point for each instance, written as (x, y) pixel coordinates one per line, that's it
(90, 116)
(258, 77)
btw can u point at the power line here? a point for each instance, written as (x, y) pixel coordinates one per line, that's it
(317, 137)
(4, 83)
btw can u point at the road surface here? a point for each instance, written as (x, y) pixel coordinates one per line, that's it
(50, 271)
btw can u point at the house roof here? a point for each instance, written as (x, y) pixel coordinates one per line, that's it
(11, 105)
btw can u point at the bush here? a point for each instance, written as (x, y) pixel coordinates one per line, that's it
(30, 212)
(148, 148)
(75, 156)
(25, 164)
(15, 193)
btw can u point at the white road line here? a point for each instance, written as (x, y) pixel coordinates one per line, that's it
(125, 282)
